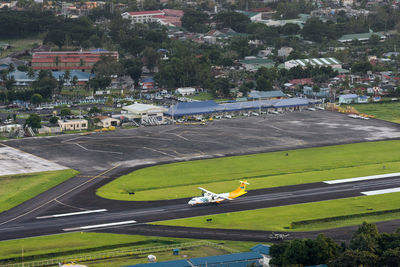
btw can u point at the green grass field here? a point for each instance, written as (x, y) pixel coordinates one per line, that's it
(280, 218)
(180, 180)
(20, 44)
(383, 111)
(203, 96)
(75, 244)
(203, 251)
(15, 189)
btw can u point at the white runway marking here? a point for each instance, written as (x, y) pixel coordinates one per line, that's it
(382, 191)
(99, 226)
(365, 178)
(101, 151)
(70, 214)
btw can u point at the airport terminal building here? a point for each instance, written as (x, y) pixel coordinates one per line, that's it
(211, 108)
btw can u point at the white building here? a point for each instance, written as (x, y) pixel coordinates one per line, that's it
(106, 122)
(326, 62)
(146, 114)
(185, 91)
(73, 125)
(285, 51)
(143, 16)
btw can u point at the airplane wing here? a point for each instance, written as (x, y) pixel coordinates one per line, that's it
(206, 191)
(227, 198)
(215, 195)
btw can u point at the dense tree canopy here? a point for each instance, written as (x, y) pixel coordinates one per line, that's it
(195, 21)
(234, 20)
(367, 248)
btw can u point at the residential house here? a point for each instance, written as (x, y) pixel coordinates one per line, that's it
(352, 99)
(284, 51)
(324, 92)
(186, 91)
(147, 83)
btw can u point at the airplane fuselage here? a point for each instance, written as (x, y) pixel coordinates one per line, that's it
(207, 198)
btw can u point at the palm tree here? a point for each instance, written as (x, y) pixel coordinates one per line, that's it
(67, 76)
(31, 73)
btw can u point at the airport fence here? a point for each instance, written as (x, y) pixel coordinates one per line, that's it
(117, 253)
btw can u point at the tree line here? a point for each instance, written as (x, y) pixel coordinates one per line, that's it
(367, 248)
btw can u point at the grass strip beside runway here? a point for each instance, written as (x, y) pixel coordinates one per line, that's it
(384, 111)
(77, 244)
(281, 218)
(16, 189)
(179, 180)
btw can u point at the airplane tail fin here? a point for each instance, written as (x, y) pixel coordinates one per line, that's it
(241, 190)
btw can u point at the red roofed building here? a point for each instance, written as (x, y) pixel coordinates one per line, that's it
(71, 60)
(173, 12)
(305, 81)
(170, 17)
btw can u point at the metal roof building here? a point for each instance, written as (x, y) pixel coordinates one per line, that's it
(265, 94)
(209, 107)
(260, 248)
(326, 62)
(177, 263)
(228, 260)
(231, 260)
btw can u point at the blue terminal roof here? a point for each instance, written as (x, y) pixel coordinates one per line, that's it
(177, 263)
(260, 248)
(290, 102)
(207, 107)
(226, 260)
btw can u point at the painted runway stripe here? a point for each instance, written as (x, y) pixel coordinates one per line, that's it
(70, 214)
(99, 226)
(382, 191)
(365, 178)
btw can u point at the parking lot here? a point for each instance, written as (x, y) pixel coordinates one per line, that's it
(97, 152)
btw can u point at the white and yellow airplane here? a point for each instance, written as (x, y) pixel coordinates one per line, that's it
(210, 197)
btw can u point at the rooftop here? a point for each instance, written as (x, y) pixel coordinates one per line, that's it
(266, 94)
(359, 36)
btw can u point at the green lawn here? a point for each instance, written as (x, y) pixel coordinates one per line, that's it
(280, 218)
(20, 44)
(203, 96)
(180, 180)
(187, 253)
(15, 189)
(73, 244)
(383, 111)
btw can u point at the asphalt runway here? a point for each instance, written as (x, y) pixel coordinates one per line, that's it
(113, 214)
(102, 157)
(97, 152)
